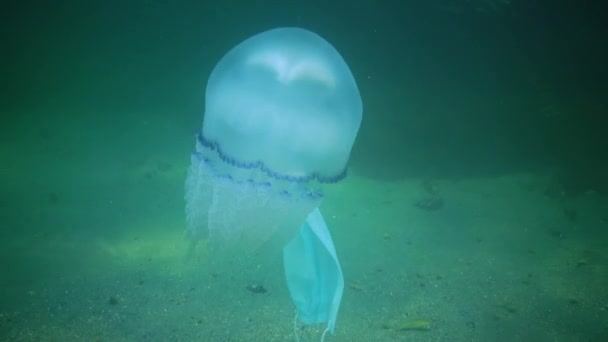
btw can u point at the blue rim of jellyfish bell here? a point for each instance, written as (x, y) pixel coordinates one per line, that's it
(258, 164)
(306, 193)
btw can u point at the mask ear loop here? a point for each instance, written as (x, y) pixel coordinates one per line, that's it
(324, 332)
(295, 327)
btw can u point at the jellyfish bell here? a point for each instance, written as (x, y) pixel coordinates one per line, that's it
(278, 90)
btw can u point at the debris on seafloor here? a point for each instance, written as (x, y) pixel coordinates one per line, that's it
(429, 203)
(113, 300)
(430, 187)
(410, 325)
(508, 308)
(256, 288)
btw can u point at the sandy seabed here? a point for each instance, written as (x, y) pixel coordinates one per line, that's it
(96, 253)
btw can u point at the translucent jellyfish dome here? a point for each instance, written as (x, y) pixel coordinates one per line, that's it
(283, 101)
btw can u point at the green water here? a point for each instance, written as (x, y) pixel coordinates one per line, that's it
(493, 107)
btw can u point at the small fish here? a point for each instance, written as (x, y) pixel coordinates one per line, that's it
(355, 286)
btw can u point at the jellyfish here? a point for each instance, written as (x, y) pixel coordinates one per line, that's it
(282, 111)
